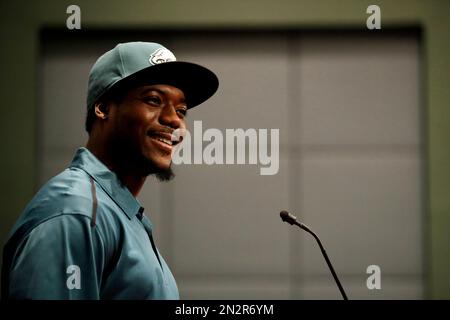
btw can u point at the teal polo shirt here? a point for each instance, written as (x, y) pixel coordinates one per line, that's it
(84, 236)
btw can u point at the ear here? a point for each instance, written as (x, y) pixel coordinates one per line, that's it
(101, 110)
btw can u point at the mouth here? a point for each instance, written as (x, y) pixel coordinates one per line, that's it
(164, 140)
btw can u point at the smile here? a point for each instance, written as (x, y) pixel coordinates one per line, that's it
(168, 142)
(163, 140)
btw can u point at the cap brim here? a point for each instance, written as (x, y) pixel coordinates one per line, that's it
(197, 82)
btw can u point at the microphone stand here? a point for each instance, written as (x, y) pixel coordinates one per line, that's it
(285, 216)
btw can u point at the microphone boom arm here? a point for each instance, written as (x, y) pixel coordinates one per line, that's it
(287, 217)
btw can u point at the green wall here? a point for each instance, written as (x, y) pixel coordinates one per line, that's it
(21, 22)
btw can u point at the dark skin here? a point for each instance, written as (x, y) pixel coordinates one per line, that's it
(133, 137)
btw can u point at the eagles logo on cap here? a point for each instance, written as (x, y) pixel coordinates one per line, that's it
(162, 55)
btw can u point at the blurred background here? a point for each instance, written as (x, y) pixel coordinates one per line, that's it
(363, 123)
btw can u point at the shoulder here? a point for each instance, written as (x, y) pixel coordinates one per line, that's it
(71, 199)
(68, 193)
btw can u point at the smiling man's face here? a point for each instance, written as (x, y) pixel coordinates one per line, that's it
(142, 124)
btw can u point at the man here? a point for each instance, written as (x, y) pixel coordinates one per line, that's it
(85, 235)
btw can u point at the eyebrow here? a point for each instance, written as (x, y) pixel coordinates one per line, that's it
(161, 91)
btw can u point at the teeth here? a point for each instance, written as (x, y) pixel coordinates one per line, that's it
(165, 141)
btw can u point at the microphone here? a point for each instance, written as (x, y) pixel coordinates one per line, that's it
(289, 218)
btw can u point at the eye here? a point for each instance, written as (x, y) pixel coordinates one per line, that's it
(153, 100)
(182, 112)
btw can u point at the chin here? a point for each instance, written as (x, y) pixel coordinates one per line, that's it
(166, 175)
(156, 161)
(161, 164)
(161, 168)
(164, 172)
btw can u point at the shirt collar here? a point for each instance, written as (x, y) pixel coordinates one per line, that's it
(108, 181)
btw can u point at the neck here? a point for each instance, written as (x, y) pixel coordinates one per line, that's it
(129, 176)
(134, 183)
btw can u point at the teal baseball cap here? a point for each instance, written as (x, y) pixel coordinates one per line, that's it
(144, 63)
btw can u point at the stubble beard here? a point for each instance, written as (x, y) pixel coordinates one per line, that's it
(150, 168)
(132, 158)
(161, 174)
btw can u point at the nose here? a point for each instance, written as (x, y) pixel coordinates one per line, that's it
(169, 117)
